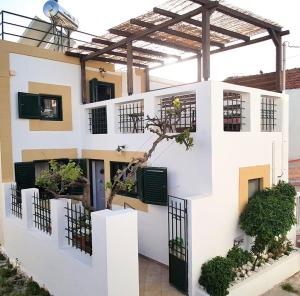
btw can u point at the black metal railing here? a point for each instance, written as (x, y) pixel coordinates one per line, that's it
(42, 212)
(16, 202)
(131, 117)
(233, 111)
(188, 112)
(79, 227)
(268, 114)
(37, 32)
(98, 121)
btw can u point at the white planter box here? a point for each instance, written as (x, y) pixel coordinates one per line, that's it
(266, 278)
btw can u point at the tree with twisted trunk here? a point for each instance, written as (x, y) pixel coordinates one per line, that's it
(60, 178)
(124, 180)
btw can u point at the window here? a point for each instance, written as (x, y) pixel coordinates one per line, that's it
(268, 114)
(51, 108)
(114, 167)
(188, 112)
(131, 117)
(40, 106)
(98, 121)
(101, 91)
(232, 112)
(254, 185)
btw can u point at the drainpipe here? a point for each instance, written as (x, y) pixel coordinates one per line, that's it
(284, 44)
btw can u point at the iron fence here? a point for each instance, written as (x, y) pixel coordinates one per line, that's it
(233, 111)
(79, 227)
(268, 114)
(37, 32)
(16, 202)
(42, 212)
(98, 121)
(131, 117)
(187, 114)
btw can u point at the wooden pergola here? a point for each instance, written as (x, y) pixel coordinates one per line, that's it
(180, 30)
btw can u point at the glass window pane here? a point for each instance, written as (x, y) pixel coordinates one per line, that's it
(254, 185)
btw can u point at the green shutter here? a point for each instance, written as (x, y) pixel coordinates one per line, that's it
(93, 83)
(25, 175)
(29, 106)
(154, 185)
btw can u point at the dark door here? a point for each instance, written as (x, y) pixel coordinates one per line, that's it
(178, 243)
(98, 184)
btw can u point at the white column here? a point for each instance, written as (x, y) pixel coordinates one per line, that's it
(115, 251)
(27, 206)
(59, 221)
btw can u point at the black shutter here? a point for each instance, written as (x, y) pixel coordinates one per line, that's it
(93, 83)
(25, 175)
(29, 106)
(154, 185)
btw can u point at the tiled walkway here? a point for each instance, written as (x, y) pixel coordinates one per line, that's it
(154, 279)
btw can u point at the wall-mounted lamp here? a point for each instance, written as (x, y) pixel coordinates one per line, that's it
(120, 148)
(102, 71)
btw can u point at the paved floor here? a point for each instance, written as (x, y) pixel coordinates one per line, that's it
(154, 279)
(277, 290)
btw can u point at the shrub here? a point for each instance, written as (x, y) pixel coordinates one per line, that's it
(238, 256)
(216, 275)
(269, 213)
(288, 287)
(280, 246)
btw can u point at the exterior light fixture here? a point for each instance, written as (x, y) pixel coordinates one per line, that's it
(120, 148)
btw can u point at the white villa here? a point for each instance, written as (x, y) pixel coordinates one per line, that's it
(62, 98)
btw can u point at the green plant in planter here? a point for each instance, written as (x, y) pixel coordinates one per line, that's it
(269, 213)
(216, 276)
(239, 257)
(280, 246)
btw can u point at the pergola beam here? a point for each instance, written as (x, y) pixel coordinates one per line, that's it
(138, 49)
(123, 55)
(230, 47)
(174, 32)
(199, 24)
(240, 15)
(139, 35)
(154, 41)
(101, 59)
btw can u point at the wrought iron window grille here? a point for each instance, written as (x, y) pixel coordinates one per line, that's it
(268, 114)
(188, 113)
(98, 121)
(233, 111)
(131, 117)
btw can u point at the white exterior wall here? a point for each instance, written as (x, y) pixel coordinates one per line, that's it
(294, 126)
(43, 71)
(214, 217)
(112, 269)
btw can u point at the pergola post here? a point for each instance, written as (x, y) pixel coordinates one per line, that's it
(206, 42)
(129, 69)
(199, 66)
(279, 65)
(147, 79)
(277, 40)
(83, 81)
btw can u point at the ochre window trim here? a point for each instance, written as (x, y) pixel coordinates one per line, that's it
(248, 173)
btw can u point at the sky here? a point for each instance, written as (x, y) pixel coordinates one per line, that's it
(97, 16)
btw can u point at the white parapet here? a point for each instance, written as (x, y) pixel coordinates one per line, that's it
(111, 270)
